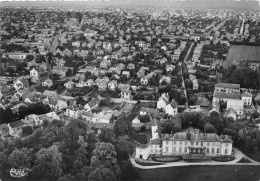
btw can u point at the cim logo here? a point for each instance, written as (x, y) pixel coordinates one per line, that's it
(18, 172)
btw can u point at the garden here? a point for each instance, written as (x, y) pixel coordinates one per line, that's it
(166, 158)
(223, 158)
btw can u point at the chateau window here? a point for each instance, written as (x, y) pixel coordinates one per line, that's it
(226, 151)
(217, 150)
(185, 149)
(191, 142)
(197, 143)
(207, 150)
(180, 142)
(201, 143)
(166, 149)
(174, 142)
(174, 149)
(167, 142)
(212, 150)
(180, 149)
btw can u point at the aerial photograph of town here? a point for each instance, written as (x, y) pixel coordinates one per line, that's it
(130, 90)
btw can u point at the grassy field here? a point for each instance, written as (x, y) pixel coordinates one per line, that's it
(239, 53)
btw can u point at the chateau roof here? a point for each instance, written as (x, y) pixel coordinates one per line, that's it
(228, 85)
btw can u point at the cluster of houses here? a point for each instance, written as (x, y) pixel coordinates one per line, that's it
(239, 101)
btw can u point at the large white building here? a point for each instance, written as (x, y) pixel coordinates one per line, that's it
(182, 143)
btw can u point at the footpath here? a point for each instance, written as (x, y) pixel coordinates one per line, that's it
(238, 156)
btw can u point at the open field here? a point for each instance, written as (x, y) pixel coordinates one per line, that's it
(239, 53)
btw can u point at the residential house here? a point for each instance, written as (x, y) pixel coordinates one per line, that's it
(105, 64)
(76, 44)
(231, 113)
(36, 72)
(123, 86)
(247, 98)
(131, 66)
(144, 81)
(116, 70)
(47, 83)
(126, 94)
(102, 84)
(126, 73)
(94, 103)
(165, 79)
(15, 128)
(74, 111)
(112, 85)
(172, 108)
(70, 84)
(237, 105)
(90, 83)
(163, 101)
(217, 96)
(21, 84)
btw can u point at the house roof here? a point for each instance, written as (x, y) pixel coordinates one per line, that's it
(174, 104)
(87, 114)
(212, 137)
(107, 116)
(156, 141)
(235, 103)
(246, 94)
(103, 125)
(230, 111)
(94, 102)
(49, 93)
(227, 85)
(227, 95)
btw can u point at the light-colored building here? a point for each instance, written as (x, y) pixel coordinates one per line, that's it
(237, 105)
(247, 98)
(163, 101)
(172, 108)
(227, 87)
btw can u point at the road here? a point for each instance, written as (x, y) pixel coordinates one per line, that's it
(217, 27)
(242, 27)
(55, 42)
(183, 83)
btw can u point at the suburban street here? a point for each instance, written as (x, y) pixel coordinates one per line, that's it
(183, 83)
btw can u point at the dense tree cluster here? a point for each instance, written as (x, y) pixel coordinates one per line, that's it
(243, 75)
(68, 152)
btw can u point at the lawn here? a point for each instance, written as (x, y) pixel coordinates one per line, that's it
(238, 53)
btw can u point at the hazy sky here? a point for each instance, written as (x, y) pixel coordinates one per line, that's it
(108, 0)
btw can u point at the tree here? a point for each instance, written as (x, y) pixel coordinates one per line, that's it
(40, 59)
(102, 174)
(123, 149)
(7, 115)
(192, 100)
(123, 126)
(21, 158)
(67, 177)
(144, 118)
(29, 58)
(209, 128)
(107, 135)
(48, 163)
(104, 156)
(182, 100)
(27, 130)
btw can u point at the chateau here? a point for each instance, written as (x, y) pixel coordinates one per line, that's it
(183, 143)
